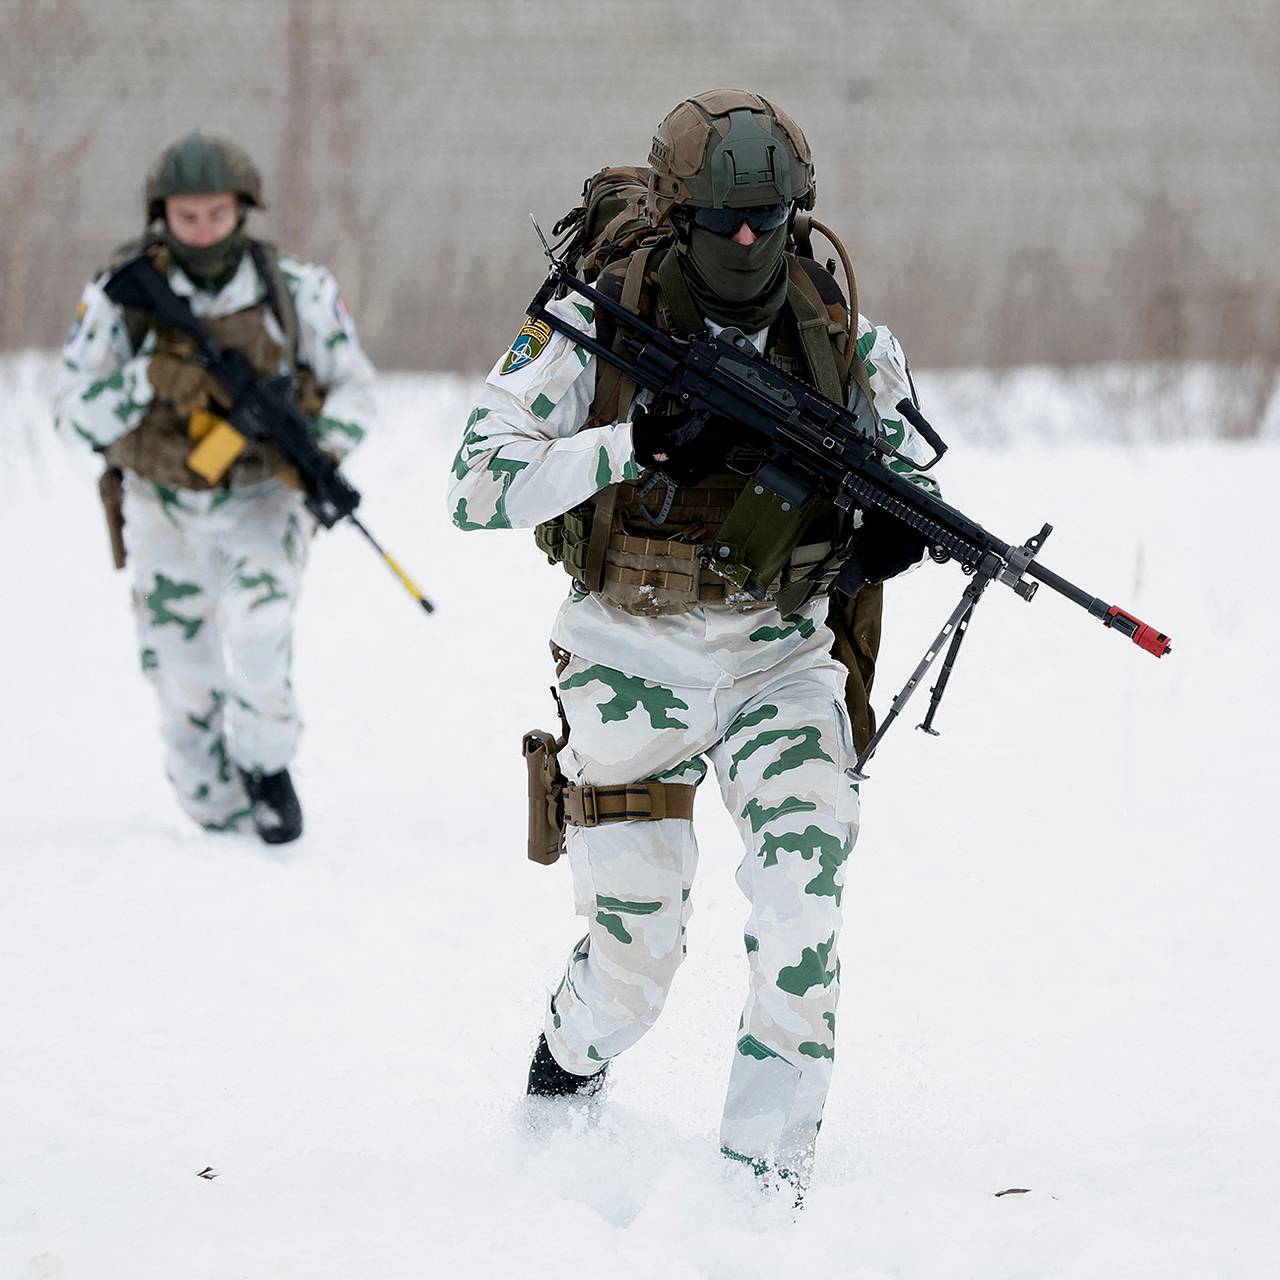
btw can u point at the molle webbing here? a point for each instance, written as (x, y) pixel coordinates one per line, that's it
(609, 543)
(158, 448)
(650, 576)
(592, 806)
(613, 548)
(623, 544)
(802, 228)
(653, 570)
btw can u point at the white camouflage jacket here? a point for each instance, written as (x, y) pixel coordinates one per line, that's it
(525, 458)
(103, 391)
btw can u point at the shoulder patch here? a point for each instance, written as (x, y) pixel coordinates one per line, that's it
(529, 344)
(82, 309)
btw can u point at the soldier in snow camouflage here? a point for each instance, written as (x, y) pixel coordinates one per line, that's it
(217, 563)
(662, 670)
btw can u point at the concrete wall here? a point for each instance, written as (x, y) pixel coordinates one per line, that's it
(1017, 182)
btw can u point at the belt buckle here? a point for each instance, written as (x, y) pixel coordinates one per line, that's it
(590, 808)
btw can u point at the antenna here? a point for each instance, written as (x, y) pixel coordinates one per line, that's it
(546, 248)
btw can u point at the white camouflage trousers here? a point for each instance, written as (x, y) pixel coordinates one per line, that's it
(215, 583)
(780, 743)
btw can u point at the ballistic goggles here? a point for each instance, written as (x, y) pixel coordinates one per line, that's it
(725, 222)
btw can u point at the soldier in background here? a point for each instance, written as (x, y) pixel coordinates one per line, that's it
(663, 670)
(217, 557)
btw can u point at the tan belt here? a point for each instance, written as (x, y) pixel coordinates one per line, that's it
(554, 803)
(590, 806)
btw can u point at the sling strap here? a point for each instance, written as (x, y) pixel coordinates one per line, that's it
(614, 390)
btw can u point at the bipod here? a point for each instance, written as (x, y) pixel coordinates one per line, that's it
(956, 626)
(949, 662)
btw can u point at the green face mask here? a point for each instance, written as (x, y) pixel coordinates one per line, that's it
(212, 265)
(734, 284)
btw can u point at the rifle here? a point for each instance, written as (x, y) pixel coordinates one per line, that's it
(262, 406)
(803, 449)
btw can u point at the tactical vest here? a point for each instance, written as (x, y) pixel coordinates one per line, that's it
(641, 546)
(157, 449)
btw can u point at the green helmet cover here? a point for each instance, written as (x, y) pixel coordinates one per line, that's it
(748, 166)
(202, 165)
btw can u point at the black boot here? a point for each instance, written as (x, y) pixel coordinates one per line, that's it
(548, 1079)
(277, 815)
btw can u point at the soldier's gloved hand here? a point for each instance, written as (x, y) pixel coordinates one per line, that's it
(183, 383)
(685, 445)
(885, 547)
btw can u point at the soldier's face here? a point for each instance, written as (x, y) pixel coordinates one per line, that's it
(204, 219)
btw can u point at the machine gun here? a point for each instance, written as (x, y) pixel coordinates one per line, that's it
(801, 449)
(262, 407)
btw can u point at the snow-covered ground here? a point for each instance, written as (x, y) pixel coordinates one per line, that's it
(1060, 960)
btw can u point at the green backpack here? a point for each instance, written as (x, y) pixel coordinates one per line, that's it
(611, 221)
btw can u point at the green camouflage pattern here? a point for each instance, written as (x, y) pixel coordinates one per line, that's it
(629, 692)
(490, 469)
(164, 591)
(780, 748)
(216, 582)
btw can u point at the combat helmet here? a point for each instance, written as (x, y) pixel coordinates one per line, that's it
(200, 164)
(728, 149)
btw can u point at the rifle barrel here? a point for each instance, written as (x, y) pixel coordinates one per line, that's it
(1127, 624)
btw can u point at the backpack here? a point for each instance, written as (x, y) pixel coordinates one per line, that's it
(610, 221)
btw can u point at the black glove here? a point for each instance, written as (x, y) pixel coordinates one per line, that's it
(692, 445)
(883, 548)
